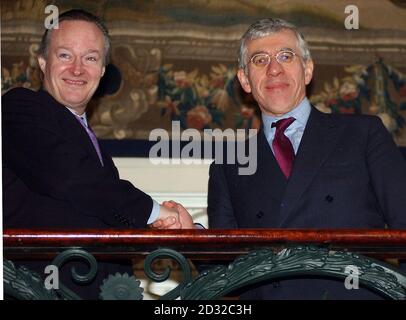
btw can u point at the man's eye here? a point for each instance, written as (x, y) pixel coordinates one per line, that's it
(286, 56)
(260, 60)
(91, 59)
(64, 56)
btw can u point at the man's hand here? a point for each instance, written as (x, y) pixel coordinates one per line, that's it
(183, 221)
(168, 219)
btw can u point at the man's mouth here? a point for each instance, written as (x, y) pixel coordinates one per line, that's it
(276, 86)
(75, 82)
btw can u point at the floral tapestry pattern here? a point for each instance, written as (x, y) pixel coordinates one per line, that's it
(176, 61)
(202, 101)
(372, 84)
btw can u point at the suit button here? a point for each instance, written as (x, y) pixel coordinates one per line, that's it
(329, 198)
(260, 215)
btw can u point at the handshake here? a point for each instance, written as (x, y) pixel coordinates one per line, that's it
(173, 215)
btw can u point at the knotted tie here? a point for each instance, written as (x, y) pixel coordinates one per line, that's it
(92, 137)
(282, 146)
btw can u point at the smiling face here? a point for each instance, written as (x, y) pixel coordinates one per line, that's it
(74, 66)
(278, 88)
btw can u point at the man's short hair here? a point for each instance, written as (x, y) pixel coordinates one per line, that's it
(265, 27)
(77, 15)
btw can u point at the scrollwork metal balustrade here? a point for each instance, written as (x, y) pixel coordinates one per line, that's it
(255, 256)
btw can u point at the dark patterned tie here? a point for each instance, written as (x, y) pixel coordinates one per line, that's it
(282, 146)
(92, 137)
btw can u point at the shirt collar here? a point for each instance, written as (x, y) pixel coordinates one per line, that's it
(300, 113)
(83, 115)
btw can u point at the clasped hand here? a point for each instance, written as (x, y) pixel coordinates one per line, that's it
(173, 215)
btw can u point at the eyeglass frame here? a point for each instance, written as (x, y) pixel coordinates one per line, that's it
(272, 56)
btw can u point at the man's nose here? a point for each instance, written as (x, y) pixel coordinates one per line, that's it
(77, 67)
(273, 68)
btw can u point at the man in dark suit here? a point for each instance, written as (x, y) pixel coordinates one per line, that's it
(55, 175)
(314, 170)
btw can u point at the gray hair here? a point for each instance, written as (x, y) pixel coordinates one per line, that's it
(77, 15)
(266, 27)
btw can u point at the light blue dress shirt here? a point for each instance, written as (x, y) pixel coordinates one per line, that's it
(155, 205)
(295, 131)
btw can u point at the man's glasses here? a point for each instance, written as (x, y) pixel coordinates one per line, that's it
(282, 57)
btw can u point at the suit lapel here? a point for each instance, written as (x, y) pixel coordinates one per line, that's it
(108, 162)
(260, 194)
(75, 130)
(319, 140)
(269, 176)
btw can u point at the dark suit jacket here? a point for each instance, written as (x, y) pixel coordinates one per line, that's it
(348, 173)
(52, 176)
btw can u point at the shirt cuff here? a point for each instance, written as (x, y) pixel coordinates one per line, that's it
(154, 213)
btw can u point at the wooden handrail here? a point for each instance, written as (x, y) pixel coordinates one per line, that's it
(124, 243)
(17, 237)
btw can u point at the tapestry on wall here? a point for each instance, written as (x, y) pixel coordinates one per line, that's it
(176, 60)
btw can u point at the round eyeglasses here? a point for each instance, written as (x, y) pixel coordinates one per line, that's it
(263, 59)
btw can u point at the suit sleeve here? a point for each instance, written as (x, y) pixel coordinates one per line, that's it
(387, 168)
(52, 165)
(219, 210)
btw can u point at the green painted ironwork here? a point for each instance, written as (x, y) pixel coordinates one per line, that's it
(254, 267)
(165, 253)
(23, 284)
(69, 255)
(121, 287)
(265, 264)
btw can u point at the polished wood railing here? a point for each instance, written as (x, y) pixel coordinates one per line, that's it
(24, 243)
(289, 252)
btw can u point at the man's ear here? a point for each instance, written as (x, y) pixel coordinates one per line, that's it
(309, 66)
(103, 71)
(243, 78)
(42, 63)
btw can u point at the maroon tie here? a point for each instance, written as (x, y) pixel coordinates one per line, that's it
(282, 146)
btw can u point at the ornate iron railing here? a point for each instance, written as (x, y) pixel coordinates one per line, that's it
(252, 255)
